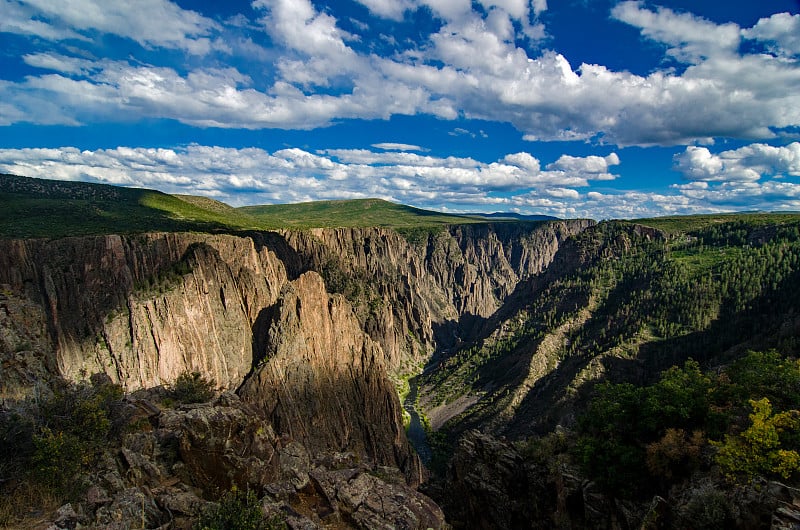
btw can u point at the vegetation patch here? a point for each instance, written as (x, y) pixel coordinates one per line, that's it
(47, 442)
(240, 510)
(192, 387)
(636, 439)
(364, 213)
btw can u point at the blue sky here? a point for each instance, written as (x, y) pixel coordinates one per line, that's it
(573, 108)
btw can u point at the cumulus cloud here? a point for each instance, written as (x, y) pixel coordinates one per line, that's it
(473, 65)
(148, 22)
(392, 9)
(746, 164)
(514, 182)
(691, 38)
(595, 165)
(253, 175)
(781, 29)
(392, 146)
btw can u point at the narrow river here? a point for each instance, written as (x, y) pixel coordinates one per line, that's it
(416, 432)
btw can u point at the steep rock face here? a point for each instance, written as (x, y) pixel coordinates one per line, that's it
(23, 335)
(491, 485)
(424, 291)
(145, 308)
(322, 381)
(385, 279)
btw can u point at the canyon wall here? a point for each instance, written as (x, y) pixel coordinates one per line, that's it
(310, 324)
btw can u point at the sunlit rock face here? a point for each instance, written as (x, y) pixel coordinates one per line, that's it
(321, 380)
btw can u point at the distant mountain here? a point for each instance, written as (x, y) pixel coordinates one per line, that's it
(53, 208)
(514, 216)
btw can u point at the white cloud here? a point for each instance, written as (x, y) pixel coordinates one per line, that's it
(523, 161)
(392, 9)
(781, 29)
(746, 164)
(255, 176)
(252, 175)
(148, 22)
(590, 164)
(300, 27)
(392, 146)
(691, 38)
(472, 66)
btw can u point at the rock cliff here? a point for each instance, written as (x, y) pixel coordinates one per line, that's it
(308, 327)
(145, 308)
(321, 380)
(425, 290)
(142, 309)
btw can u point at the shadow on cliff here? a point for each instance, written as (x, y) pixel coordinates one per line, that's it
(470, 330)
(293, 262)
(356, 417)
(770, 321)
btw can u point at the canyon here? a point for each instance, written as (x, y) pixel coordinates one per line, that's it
(313, 332)
(441, 372)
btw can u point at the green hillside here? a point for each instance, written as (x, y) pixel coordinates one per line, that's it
(51, 208)
(620, 305)
(688, 223)
(351, 213)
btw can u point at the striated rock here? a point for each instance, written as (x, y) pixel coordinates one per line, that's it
(131, 508)
(145, 308)
(322, 380)
(142, 309)
(250, 312)
(488, 487)
(23, 335)
(424, 285)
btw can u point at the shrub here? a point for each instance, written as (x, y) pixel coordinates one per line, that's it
(192, 387)
(57, 458)
(71, 427)
(46, 442)
(759, 449)
(237, 510)
(677, 453)
(709, 510)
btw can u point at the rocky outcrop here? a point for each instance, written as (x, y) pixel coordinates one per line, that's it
(146, 308)
(322, 381)
(172, 461)
(488, 486)
(142, 309)
(319, 418)
(491, 485)
(353, 497)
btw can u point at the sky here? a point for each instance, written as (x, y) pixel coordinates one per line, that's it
(571, 108)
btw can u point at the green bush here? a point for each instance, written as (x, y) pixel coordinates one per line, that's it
(634, 439)
(237, 510)
(759, 450)
(192, 387)
(709, 510)
(57, 458)
(47, 441)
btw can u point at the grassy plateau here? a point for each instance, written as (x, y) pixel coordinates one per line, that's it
(48, 208)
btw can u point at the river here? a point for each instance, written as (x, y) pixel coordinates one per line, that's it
(416, 432)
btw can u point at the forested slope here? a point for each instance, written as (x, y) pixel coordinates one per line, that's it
(643, 360)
